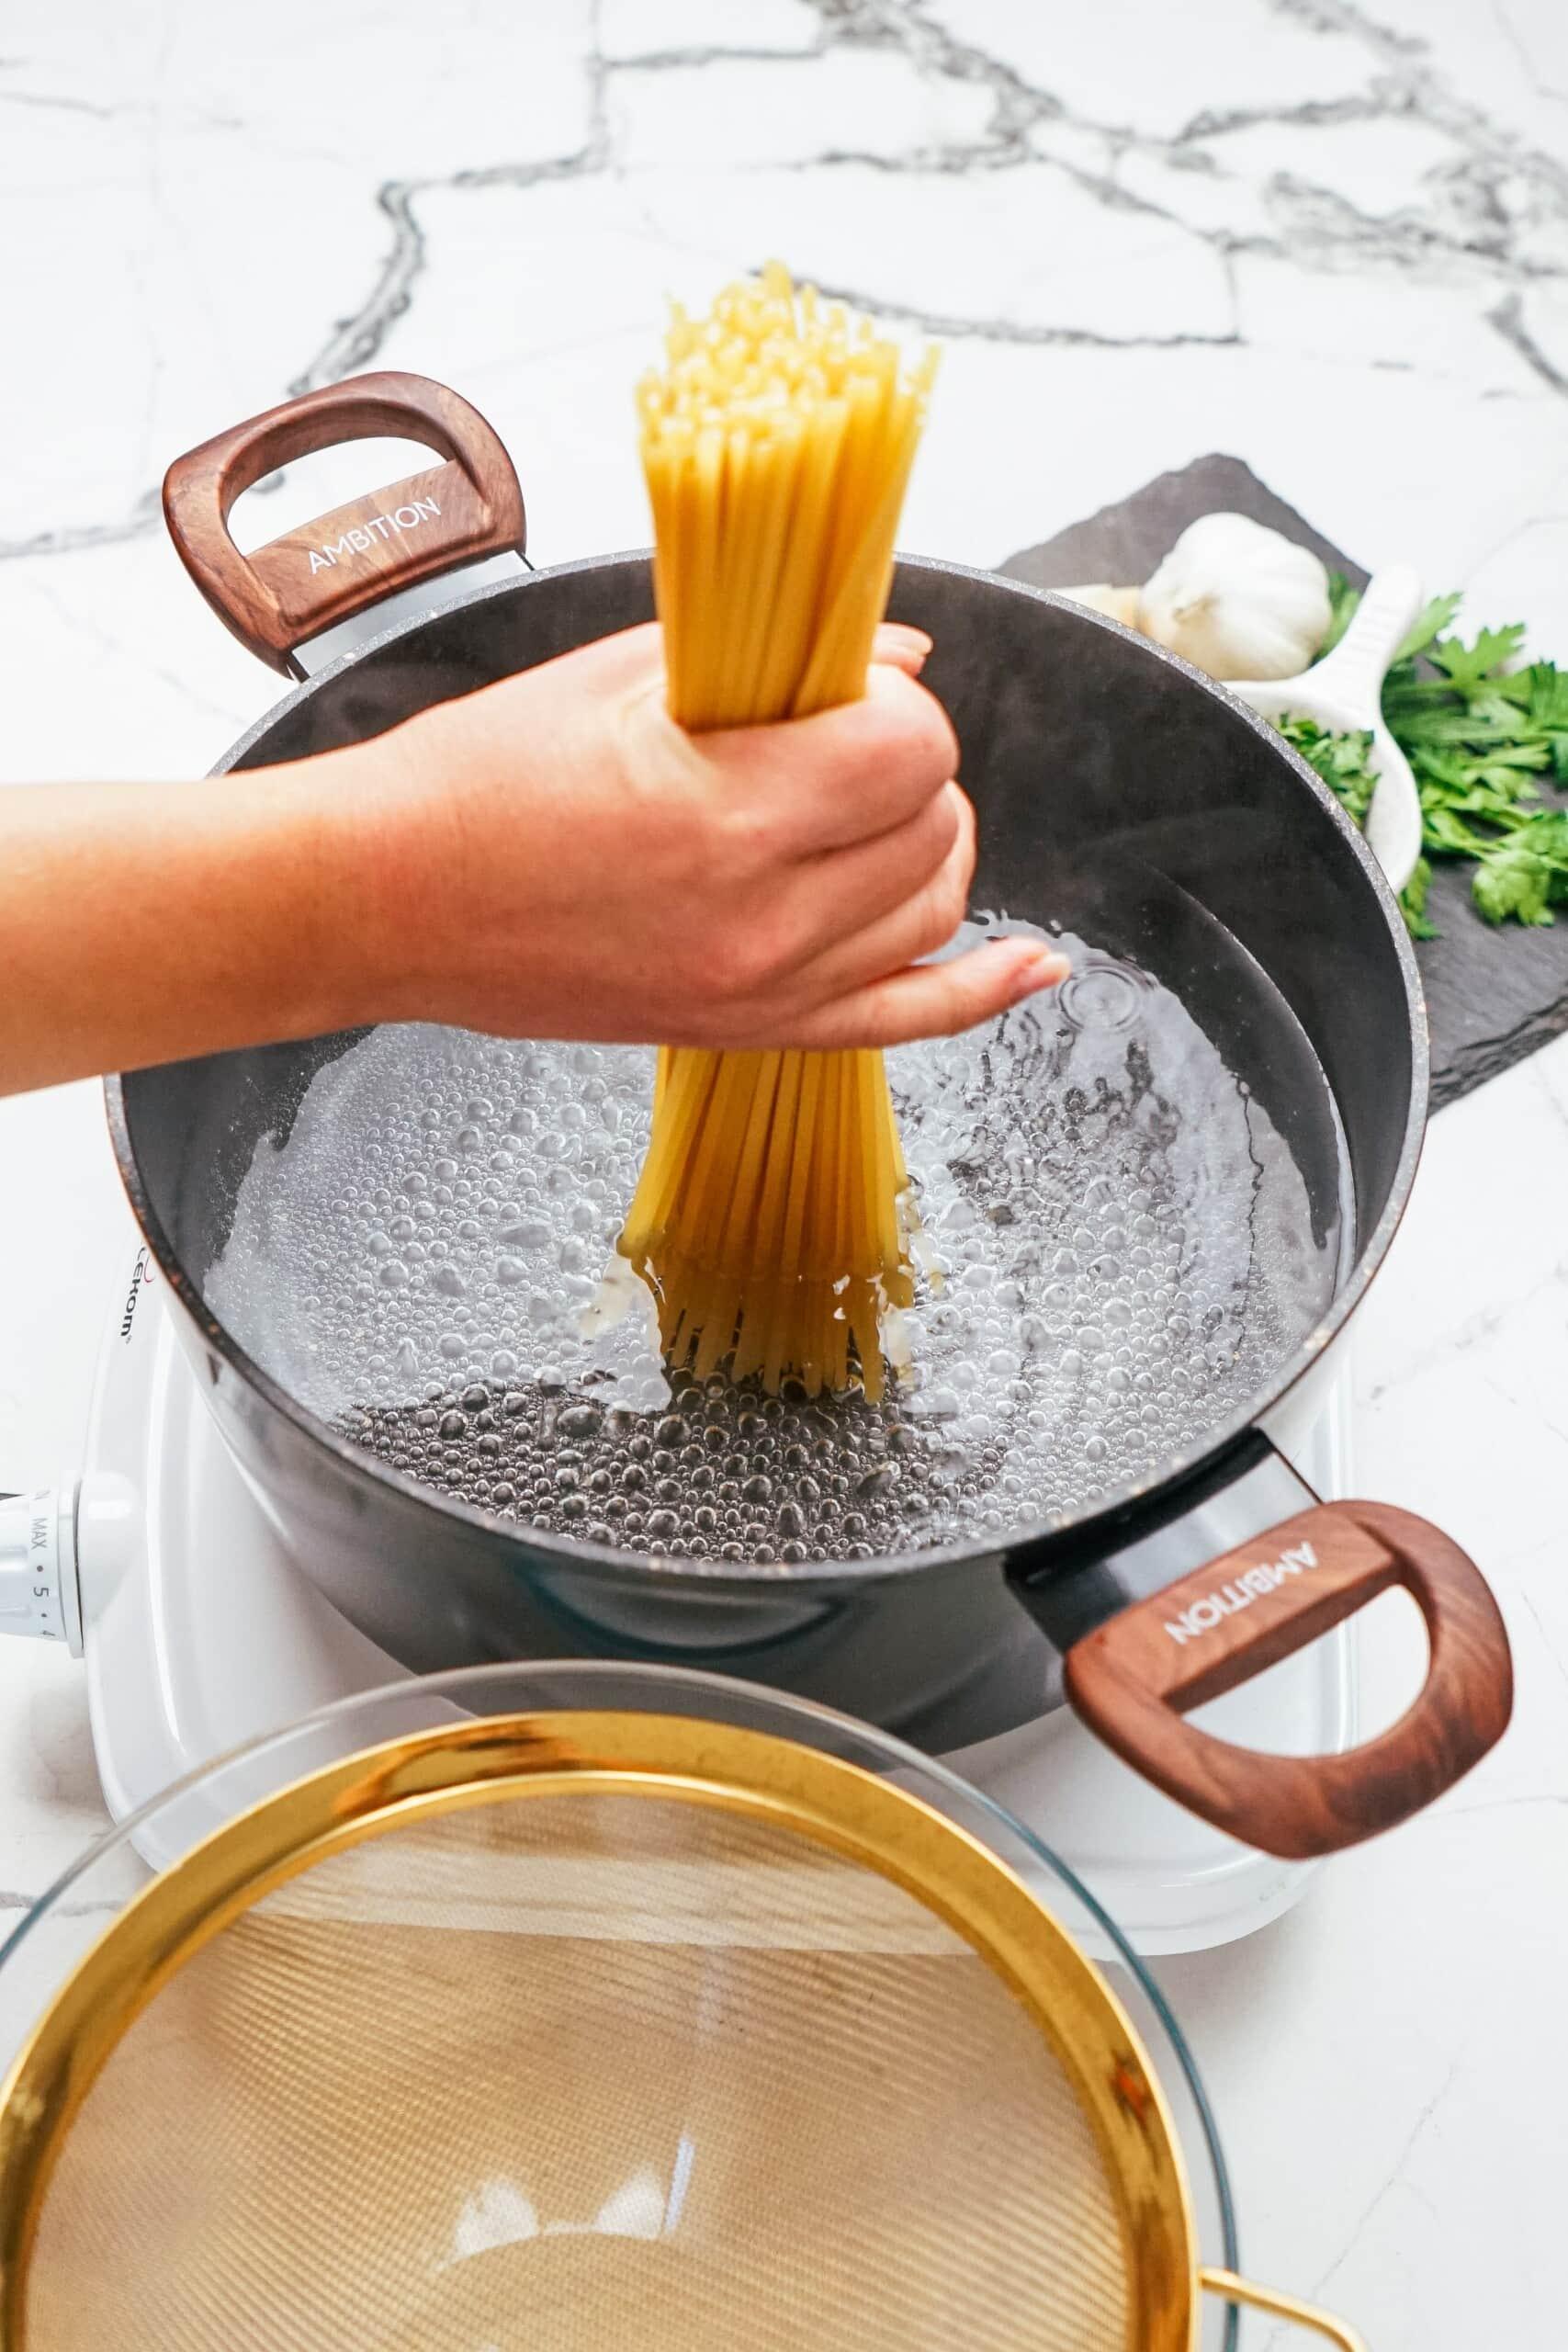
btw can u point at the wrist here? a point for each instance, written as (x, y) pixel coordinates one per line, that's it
(341, 885)
(390, 856)
(280, 853)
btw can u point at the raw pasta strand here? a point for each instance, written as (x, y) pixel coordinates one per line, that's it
(771, 1215)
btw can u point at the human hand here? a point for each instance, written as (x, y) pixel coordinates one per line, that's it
(554, 856)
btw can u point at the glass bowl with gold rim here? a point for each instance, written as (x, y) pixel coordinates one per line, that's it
(590, 2005)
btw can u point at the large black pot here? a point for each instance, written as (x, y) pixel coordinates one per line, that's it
(1092, 757)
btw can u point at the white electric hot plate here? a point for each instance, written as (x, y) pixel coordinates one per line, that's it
(211, 1636)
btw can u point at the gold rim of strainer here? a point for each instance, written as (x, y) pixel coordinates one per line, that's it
(839, 1806)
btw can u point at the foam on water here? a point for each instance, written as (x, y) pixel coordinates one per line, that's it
(1121, 1249)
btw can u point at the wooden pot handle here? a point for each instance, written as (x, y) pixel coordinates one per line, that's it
(328, 570)
(1135, 1677)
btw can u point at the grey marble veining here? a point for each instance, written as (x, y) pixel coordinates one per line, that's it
(1311, 138)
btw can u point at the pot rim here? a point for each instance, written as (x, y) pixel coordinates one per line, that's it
(751, 1575)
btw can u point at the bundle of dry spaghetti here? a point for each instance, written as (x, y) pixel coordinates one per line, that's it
(769, 1216)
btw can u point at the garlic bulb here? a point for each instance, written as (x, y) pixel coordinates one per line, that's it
(1119, 604)
(1238, 600)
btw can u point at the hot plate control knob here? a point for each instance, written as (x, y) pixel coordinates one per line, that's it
(39, 1593)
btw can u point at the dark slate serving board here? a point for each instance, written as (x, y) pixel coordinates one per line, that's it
(1493, 994)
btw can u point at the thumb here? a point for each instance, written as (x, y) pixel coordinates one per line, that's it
(901, 647)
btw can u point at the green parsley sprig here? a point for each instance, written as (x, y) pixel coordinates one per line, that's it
(1481, 731)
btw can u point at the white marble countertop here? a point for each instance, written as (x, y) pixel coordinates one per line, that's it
(1328, 235)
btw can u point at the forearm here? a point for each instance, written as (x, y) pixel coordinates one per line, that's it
(144, 923)
(551, 856)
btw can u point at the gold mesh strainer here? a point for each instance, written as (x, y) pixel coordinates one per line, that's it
(593, 2032)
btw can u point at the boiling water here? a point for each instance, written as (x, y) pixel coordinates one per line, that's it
(1121, 1248)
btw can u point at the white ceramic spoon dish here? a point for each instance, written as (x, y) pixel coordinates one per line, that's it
(1344, 691)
